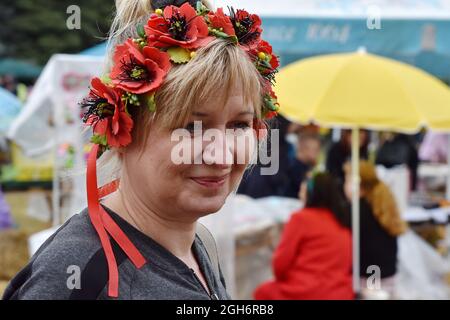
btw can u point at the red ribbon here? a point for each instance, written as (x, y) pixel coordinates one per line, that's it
(104, 224)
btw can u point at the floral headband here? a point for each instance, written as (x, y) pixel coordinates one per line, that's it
(170, 37)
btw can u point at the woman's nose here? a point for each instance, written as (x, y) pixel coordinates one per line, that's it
(218, 149)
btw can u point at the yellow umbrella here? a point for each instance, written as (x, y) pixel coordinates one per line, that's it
(361, 90)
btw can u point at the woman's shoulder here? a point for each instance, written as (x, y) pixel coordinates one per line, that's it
(309, 213)
(55, 269)
(75, 238)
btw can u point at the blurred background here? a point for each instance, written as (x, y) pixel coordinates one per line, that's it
(384, 65)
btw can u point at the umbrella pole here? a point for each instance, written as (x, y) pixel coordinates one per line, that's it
(355, 209)
(447, 189)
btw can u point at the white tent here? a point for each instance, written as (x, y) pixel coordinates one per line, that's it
(61, 85)
(51, 119)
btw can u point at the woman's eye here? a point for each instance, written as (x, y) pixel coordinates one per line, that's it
(190, 127)
(241, 125)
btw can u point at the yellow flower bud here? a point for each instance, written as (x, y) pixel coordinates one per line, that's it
(159, 12)
(262, 55)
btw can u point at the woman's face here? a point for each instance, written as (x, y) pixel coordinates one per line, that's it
(348, 187)
(211, 169)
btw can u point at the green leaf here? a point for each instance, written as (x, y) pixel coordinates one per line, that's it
(223, 35)
(150, 102)
(99, 139)
(266, 64)
(179, 55)
(140, 30)
(199, 6)
(270, 104)
(106, 79)
(201, 9)
(234, 39)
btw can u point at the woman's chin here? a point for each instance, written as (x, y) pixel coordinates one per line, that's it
(205, 205)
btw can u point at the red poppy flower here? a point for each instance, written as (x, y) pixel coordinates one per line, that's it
(116, 128)
(179, 26)
(138, 71)
(106, 114)
(268, 89)
(271, 114)
(271, 104)
(220, 20)
(264, 47)
(247, 27)
(101, 101)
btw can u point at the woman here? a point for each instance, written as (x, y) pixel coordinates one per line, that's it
(313, 259)
(399, 149)
(340, 152)
(182, 66)
(380, 225)
(256, 185)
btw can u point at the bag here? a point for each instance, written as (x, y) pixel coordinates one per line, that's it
(210, 245)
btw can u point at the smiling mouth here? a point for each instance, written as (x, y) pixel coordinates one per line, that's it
(211, 182)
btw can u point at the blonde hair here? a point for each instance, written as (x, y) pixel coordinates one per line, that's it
(380, 198)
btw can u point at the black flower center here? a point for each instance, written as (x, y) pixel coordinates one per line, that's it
(243, 27)
(266, 70)
(133, 71)
(97, 106)
(178, 27)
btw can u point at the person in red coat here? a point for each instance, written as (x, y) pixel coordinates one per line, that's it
(314, 257)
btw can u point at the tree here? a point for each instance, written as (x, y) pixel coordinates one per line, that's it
(33, 30)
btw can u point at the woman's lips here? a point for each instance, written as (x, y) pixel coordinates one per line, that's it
(211, 181)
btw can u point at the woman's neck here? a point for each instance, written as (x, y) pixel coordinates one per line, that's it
(175, 236)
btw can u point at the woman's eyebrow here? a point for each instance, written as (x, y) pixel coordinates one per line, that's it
(199, 114)
(247, 112)
(203, 114)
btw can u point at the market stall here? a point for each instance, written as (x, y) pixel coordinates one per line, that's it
(53, 110)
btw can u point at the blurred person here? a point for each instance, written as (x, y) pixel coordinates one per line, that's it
(256, 185)
(340, 152)
(141, 241)
(307, 156)
(380, 225)
(6, 221)
(314, 257)
(434, 147)
(22, 92)
(9, 83)
(399, 149)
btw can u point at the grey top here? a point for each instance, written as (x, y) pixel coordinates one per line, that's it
(76, 249)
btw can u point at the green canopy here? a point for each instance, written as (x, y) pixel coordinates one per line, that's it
(19, 68)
